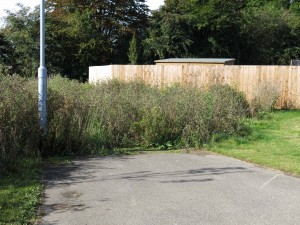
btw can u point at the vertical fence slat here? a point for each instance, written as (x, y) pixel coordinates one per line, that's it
(245, 78)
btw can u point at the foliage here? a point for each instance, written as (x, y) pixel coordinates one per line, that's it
(84, 119)
(86, 33)
(22, 34)
(253, 32)
(169, 34)
(99, 31)
(5, 50)
(20, 191)
(79, 34)
(229, 108)
(133, 52)
(4, 70)
(268, 29)
(19, 127)
(68, 117)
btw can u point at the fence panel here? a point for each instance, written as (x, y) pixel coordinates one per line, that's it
(286, 79)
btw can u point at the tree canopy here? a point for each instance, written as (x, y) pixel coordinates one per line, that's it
(83, 33)
(79, 34)
(252, 31)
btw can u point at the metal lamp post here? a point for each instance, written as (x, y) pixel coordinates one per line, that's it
(42, 74)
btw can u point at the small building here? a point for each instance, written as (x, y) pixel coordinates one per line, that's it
(195, 61)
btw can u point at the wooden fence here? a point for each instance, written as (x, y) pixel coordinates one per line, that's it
(284, 79)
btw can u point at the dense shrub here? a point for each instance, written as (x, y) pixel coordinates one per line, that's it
(229, 108)
(114, 110)
(18, 119)
(84, 118)
(68, 116)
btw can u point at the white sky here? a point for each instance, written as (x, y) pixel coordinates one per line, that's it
(11, 4)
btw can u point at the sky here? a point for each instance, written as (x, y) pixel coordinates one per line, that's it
(11, 4)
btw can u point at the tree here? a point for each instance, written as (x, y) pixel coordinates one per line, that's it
(5, 50)
(133, 52)
(170, 33)
(97, 32)
(79, 34)
(74, 45)
(21, 31)
(217, 27)
(270, 32)
(195, 28)
(251, 31)
(109, 23)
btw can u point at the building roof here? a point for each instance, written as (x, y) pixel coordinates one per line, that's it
(195, 60)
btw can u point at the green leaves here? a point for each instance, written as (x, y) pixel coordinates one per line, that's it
(270, 32)
(101, 30)
(79, 34)
(22, 32)
(170, 35)
(253, 32)
(133, 52)
(84, 33)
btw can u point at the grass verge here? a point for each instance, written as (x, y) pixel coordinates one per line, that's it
(20, 191)
(274, 143)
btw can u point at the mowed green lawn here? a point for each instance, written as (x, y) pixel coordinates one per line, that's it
(274, 143)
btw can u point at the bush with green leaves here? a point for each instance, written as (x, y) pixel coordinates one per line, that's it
(87, 119)
(134, 114)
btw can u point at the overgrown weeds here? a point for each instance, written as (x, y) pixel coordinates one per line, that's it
(18, 119)
(265, 98)
(86, 119)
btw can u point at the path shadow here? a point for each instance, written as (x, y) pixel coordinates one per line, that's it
(100, 169)
(79, 170)
(180, 176)
(88, 170)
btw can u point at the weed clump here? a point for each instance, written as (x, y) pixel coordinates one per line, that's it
(265, 98)
(86, 119)
(19, 123)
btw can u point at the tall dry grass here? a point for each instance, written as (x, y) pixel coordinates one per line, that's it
(18, 119)
(265, 97)
(88, 119)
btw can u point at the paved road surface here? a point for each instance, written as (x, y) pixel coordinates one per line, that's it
(169, 189)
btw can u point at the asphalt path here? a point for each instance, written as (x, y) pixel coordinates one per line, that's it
(169, 189)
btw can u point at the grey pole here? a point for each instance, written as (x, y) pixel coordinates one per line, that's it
(42, 74)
